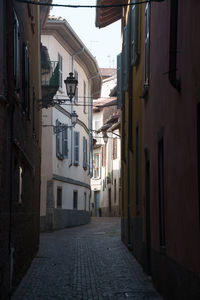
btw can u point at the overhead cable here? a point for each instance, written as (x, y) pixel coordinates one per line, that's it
(88, 6)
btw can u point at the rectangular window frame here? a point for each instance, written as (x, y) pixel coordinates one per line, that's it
(76, 147)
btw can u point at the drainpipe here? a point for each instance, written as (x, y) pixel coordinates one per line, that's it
(72, 106)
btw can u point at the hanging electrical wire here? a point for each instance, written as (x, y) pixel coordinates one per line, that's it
(88, 6)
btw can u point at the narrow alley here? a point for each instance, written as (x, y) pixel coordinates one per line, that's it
(87, 262)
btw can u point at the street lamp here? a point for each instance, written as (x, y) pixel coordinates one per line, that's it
(71, 83)
(74, 118)
(105, 137)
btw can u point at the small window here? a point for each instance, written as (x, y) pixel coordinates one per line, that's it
(65, 142)
(59, 197)
(75, 200)
(60, 61)
(76, 147)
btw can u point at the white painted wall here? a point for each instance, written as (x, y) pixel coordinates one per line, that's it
(50, 163)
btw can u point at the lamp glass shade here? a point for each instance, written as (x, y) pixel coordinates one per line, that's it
(105, 138)
(74, 118)
(71, 83)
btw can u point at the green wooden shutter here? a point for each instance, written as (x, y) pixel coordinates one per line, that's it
(119, 81)
(134, 33)
(65, 142)
(76, 147)
(125, 58)
(57, 140)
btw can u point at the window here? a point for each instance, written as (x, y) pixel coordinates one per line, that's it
(60, 62)
(161, 189)
(147, 44)
(16, 52)
(84, 153)
(61, 141)
(59, 197)
(76, 147)
(96, 165)
(59, 145)
(173, 46)
(26, 80)
(134, 32)
(75, 199)
(115, 148)
(84, 96)
(65, 142)
(76, 94)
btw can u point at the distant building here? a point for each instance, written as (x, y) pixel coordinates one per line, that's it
(105, 183)
(67, 154)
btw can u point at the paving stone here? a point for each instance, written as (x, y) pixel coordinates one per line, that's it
(88, 262)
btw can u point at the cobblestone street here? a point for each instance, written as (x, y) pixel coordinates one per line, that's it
(88, 262)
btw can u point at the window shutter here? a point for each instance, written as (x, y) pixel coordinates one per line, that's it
(134, 33)
(125, 58)
(65, 142)
(119, 81)
(76, 147)
(57, 140)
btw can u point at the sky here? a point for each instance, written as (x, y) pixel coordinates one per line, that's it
(104, 43)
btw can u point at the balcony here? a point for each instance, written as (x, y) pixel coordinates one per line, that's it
(49, 79)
